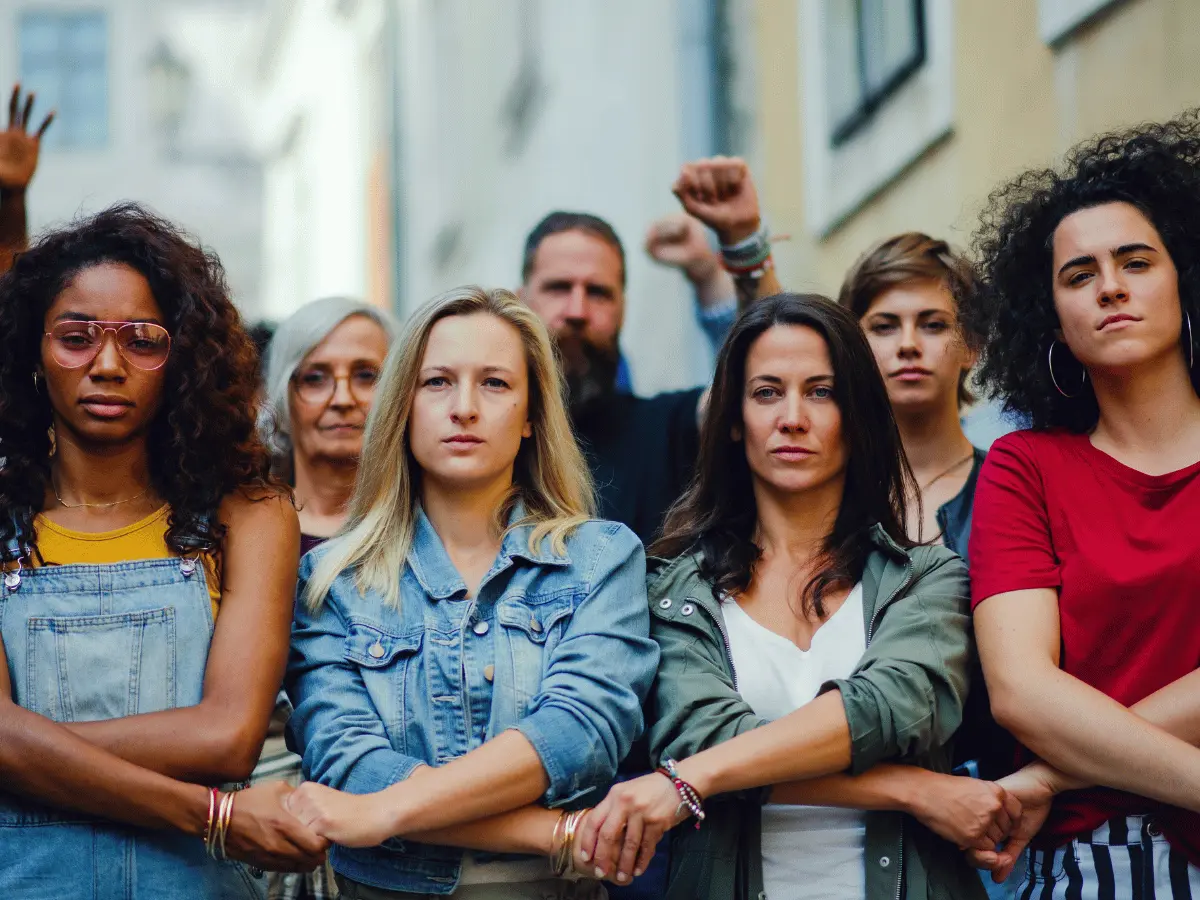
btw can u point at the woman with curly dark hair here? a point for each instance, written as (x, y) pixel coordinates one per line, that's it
(1085, 553)
(136, 509)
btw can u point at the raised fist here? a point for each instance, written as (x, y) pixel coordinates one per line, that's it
(720, 193)
(18, 146)
(679, 241)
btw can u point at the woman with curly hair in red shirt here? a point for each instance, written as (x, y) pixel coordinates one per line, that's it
(1085, 552)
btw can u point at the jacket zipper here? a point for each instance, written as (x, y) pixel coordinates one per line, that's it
(717, 620)
(892, 596)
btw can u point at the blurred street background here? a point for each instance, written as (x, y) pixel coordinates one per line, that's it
(389, 149)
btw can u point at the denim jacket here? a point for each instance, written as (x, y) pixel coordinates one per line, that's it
(555, 646)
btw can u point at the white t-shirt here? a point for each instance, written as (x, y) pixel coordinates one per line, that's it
(809, 852)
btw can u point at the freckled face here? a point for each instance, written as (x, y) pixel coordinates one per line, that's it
(1116, 288)
(913, 332)
(471, 407)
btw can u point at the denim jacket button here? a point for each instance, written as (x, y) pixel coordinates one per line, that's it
(664, 603)
(489, 673)
(481, 628)
(376, 650)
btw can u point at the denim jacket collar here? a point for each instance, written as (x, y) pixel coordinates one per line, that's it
(433, 569)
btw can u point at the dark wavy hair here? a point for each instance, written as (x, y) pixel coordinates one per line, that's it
(716, 517)
(202, 443)
(1011, 319)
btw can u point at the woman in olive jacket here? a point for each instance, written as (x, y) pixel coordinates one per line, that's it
(815, 662)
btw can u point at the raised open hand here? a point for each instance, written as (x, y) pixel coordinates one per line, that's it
(18, 146)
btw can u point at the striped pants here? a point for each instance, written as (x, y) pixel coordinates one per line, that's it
(1124, 859)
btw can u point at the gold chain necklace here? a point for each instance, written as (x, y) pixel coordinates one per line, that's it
(927, 485)
(67, 505)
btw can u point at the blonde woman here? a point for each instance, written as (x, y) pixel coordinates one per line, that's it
(470, 656)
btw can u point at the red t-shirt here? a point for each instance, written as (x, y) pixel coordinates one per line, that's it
(1123, 550)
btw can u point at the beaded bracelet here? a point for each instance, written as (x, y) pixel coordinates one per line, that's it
(689, 796)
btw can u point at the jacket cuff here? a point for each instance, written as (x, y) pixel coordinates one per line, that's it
(571, 766)
(867, 746)
(373, 772)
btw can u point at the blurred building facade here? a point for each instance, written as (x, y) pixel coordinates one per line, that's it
(410, 145)
(322, 89)
(145, 93)
(881, 117)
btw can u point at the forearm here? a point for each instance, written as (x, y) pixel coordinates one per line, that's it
(193, 743)
(43, 761)
(885, 787)
(1175, 709)
(811, 742)
(1092, 739)
(756, 289)
(711, 284)
(503, 775)
(13, 226)
(529, 829)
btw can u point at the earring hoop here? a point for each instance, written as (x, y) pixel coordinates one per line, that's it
(1054, 381)
(1191, 347)
(37, 380)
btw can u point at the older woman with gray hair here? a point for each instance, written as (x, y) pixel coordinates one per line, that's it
(322, 365)
(321, 369)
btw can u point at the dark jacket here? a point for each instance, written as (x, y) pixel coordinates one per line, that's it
(903, 703)
(954, 516)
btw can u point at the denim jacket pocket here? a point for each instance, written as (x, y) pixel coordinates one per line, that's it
(372, 647)
(386, 662)
(531, 634)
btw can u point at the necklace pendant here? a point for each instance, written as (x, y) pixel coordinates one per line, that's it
(187, 567)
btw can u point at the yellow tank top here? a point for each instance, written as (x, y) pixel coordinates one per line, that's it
(146, 539)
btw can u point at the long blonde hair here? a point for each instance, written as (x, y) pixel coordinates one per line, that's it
(550, 476)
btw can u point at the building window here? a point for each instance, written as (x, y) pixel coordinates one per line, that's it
(872, 48)
(64, 60)
(1058, 19)
(877, 82)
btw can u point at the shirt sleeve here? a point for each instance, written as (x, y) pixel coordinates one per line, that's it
(1011, 547)
(589, 711)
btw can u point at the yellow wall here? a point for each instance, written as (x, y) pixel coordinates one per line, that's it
(1018, 104)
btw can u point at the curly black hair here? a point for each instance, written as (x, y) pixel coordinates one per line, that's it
(202, 444)
(1011, 319)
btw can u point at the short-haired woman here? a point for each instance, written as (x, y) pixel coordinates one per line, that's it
(1085, 550)
(904, 292)
(473, 648)
(803, 636)
(322, 365)
(150, 561)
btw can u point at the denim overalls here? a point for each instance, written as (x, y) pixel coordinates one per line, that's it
(92, 642)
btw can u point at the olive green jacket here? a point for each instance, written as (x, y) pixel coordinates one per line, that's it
(903, 703)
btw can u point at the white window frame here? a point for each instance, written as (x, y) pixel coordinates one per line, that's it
(1057, 19)
(839, 180)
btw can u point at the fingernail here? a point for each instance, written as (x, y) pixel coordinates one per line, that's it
(585, 856)
(599, 872)
(622, 877)
(637, 873)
